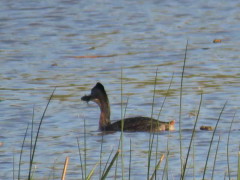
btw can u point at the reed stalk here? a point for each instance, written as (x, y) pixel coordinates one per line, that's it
(151, 134)
(100, 157)
(31, 143)
(180, 107)
(130, 160)
(110, 165)
(20, 157)
(85, 149)
(36, 138)
(65, 168)
(215, 158)
(162, 105)
(157, 167)
(13, 166)
(238, 171)
(122, 123)
(91, 172)
(165, 169)
(213, 134)
(229, 132)
(107, 163)
(80, 157)
(192, 137)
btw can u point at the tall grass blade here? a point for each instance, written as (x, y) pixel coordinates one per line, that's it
(180, 108)
(213, 134)
(110, 165)
(107, 163)
(165, 169)
(229, 132)
(91, 172)
(36, 138)
(165, 97)
(238, 172)
(100, 168)
(151, 134)
(65, 168)
(192, 137)
(80, 157)
(164, 100)
(130, 160)
(215, 158)
(157, 167)
(20, 158)
(13, 166)
(85, 149)
(193, 159)
(122, 125)
(31, 143)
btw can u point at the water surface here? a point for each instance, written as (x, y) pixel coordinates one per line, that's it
(41, 44)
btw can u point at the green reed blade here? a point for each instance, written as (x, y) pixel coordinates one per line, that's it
(91, 172)
(165, 97)
(36, 138)
(107, 163)
(85, 148)
(157, 167)
(80, 157)
(13, 166)
(110, 165)
(215, 158)
(130, 160)
(213, 134)
(151, 134)
(165, 169)
(180, 107)
(31, 143)
(229, 132)
(238, 172)
(100, 157)
(20, 158)
(192, 137)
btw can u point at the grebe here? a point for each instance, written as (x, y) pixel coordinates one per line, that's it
(99, 96)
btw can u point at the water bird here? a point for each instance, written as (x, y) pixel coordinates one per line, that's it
(132, 124)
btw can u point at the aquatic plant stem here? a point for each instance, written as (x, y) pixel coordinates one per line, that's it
(80, 156)
(65, 168)
(238, 172)
(215, 158)
(192, 137)
(165, 97)
(20, 158)
(130, 160)
(122, 122)
(36, 138)
(151, 134)
(213, 134)
(110, 165)
(31, 143)
(180, 108)
(164, 100)
(157, 167)
(104, 170)
(229, 132)
(13, 166)
(85, 149)
(100, 167)
(91, 172)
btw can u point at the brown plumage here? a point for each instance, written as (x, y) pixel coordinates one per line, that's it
(99, 96)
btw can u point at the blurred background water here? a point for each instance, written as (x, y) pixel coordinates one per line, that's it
(42, 44)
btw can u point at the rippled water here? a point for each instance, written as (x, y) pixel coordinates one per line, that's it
(41, 44)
